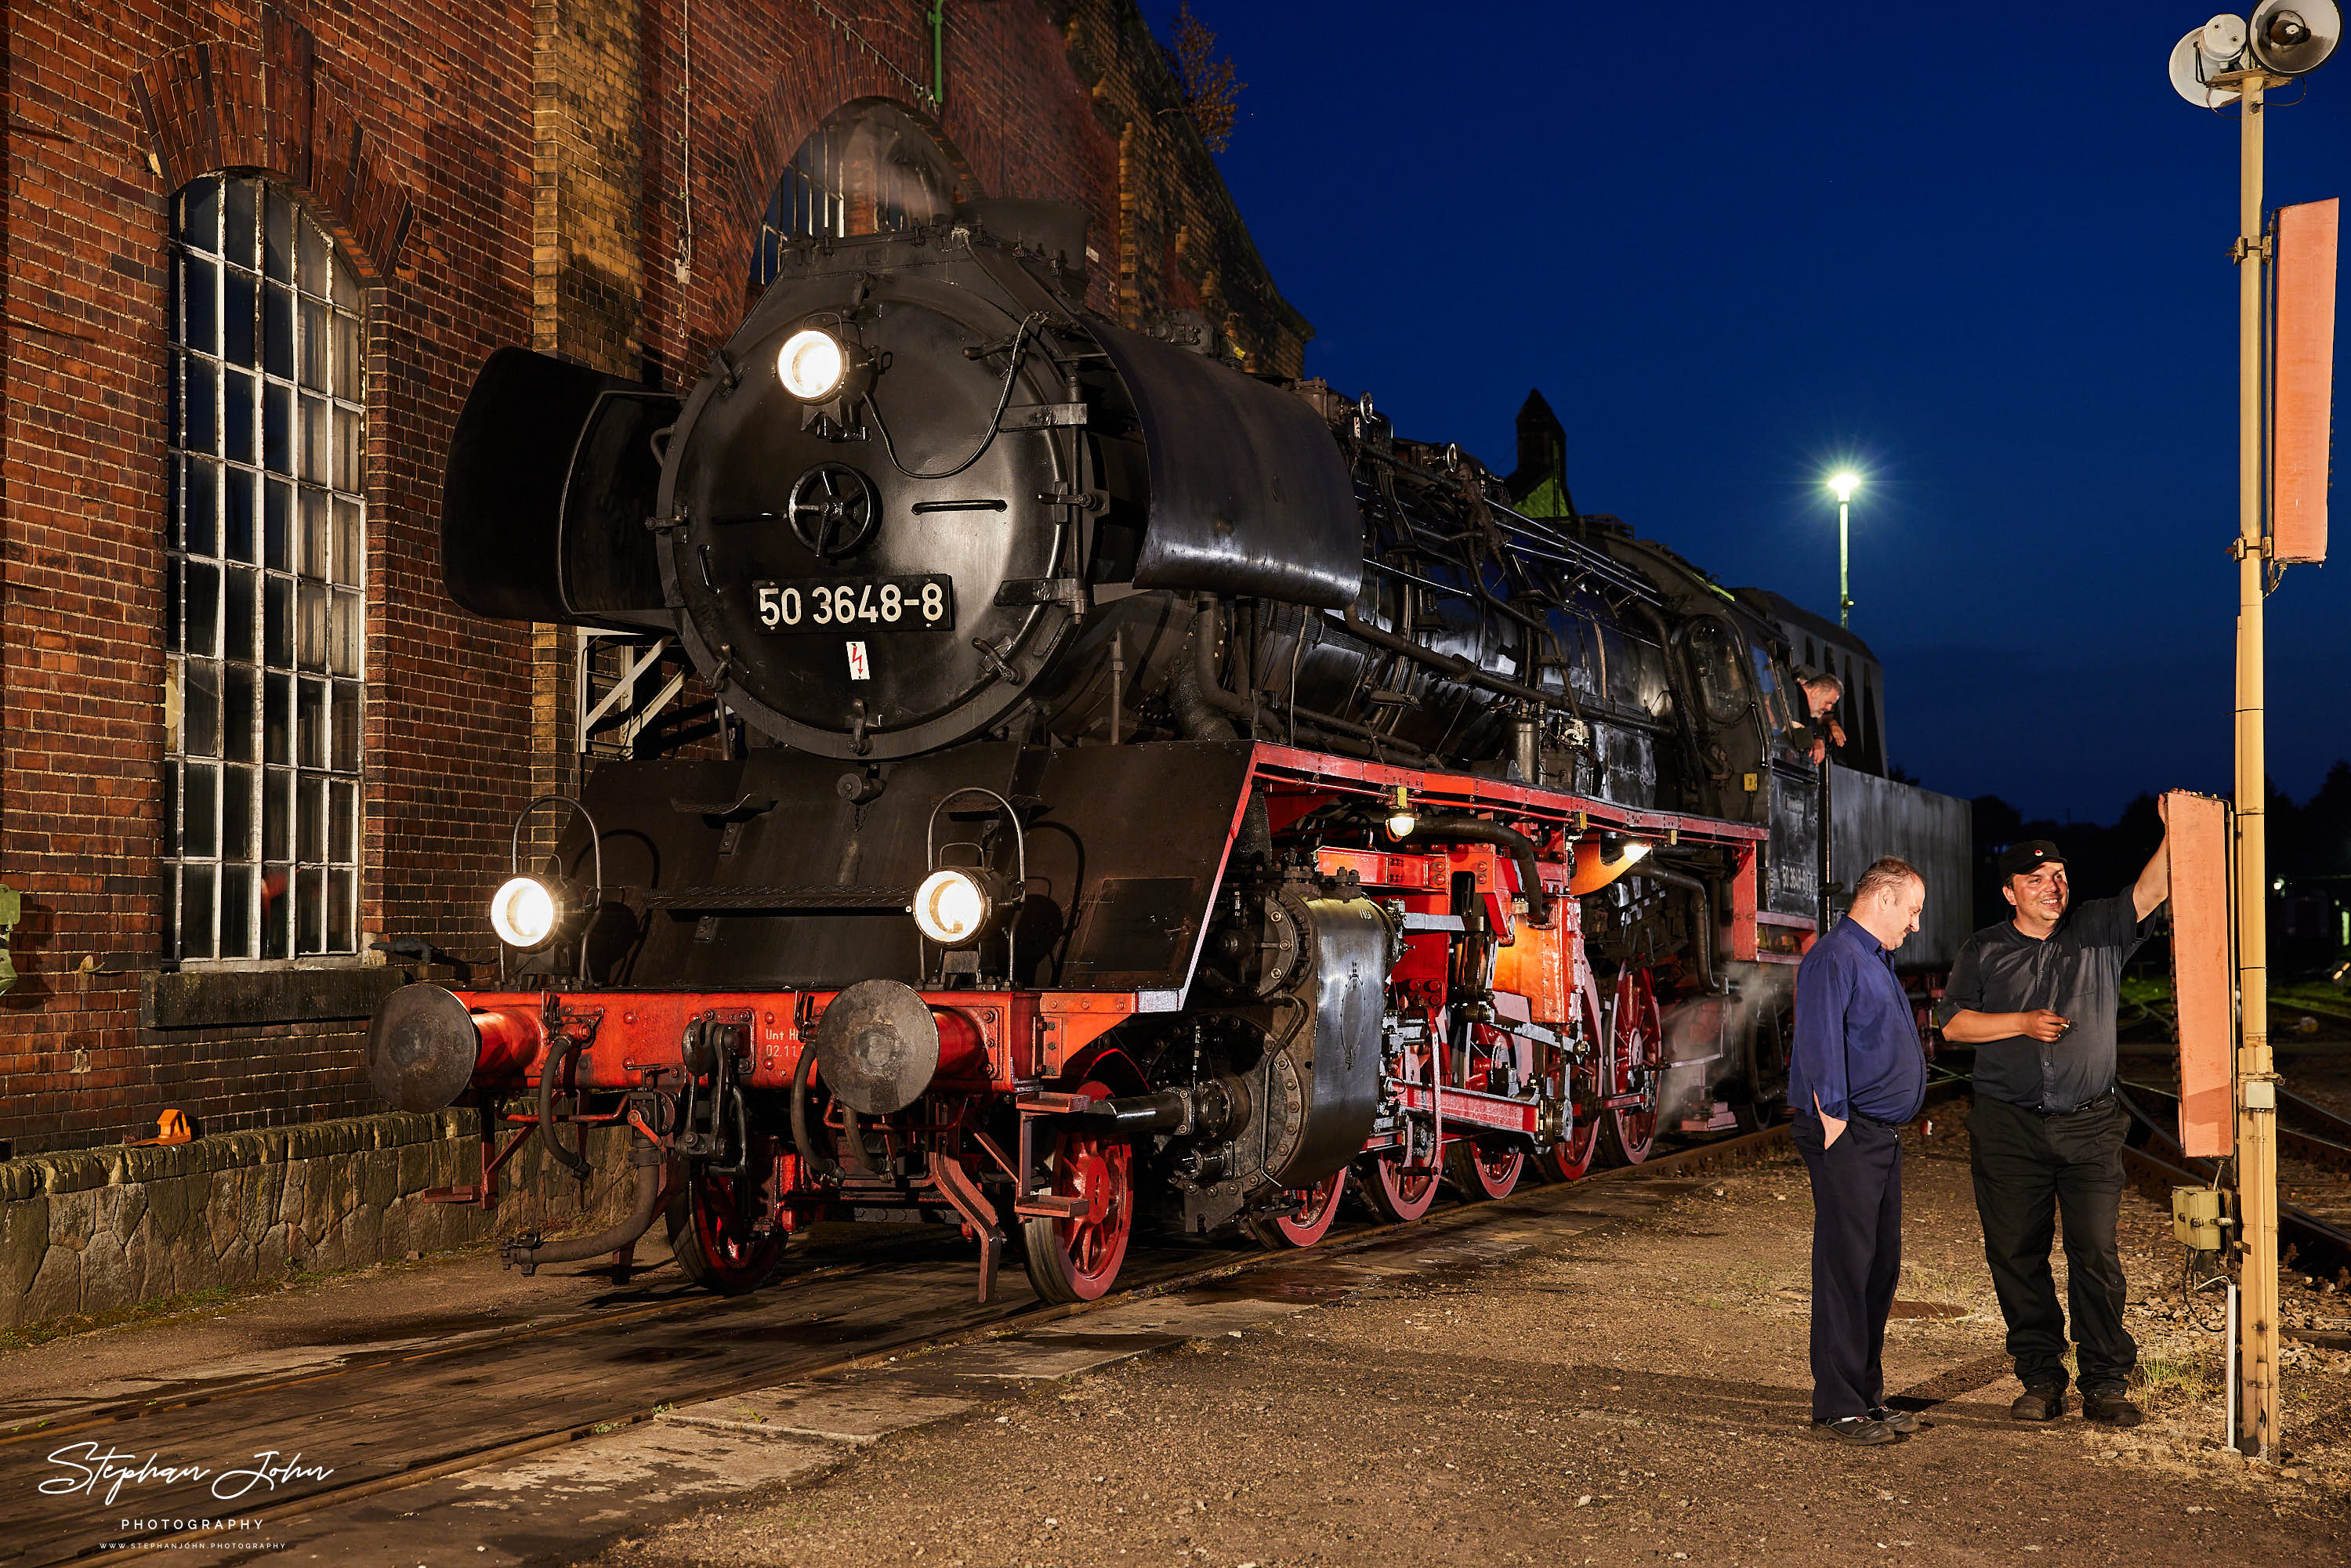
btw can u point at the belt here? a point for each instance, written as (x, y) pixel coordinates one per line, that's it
(2105, 1098)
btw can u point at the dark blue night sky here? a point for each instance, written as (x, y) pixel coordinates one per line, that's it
(1987, 268)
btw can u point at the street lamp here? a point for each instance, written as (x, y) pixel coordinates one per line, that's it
(1845, 483)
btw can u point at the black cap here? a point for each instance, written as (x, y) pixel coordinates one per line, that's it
(2024, 859)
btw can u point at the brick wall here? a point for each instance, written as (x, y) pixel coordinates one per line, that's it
(545, 174)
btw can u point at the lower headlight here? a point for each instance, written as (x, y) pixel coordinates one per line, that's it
(526, 912)
(957, 904)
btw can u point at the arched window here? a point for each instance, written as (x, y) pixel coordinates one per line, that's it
(263, 609)
(872, 167)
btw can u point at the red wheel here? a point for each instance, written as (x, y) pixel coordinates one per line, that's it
(1077, 1259)
(1635, 1061)
(1396, 1195)
(712, 1234)
(1482, 1172)
(1318, 1206)
(1577, 1082)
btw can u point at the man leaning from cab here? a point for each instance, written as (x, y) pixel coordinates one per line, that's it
(1814, 731)
(1857, 1074)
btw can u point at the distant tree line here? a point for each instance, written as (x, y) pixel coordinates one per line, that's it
(2309, 844)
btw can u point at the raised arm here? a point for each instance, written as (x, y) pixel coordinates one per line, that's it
(2154, 883)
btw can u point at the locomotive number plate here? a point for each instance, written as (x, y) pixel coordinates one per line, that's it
(923, 603)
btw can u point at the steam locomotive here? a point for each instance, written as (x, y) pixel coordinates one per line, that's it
(1153, 794)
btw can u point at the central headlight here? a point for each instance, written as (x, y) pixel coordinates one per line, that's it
(812, 365)
(955, 905)
(525, 912)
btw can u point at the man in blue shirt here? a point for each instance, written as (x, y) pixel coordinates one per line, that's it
(1856, 1075)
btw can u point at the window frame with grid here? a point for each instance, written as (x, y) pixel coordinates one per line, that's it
(871, 168)
(264, 580)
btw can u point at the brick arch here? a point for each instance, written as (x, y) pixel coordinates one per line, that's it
(827, 78)
(223, 105)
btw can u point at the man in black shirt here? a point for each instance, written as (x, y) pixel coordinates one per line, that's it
(2037, 996)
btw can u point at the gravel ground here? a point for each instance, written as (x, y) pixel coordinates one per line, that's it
(1633, 1393)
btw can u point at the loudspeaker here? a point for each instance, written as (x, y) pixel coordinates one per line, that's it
(2292, 36)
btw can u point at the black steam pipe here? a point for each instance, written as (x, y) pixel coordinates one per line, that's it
(1541, 632)
(1459, 669)
(1343, 729)
(1709, 896)
(1208, 630)
(647, 1159)
(1666, 645)
(826, 1168)
(1478, 830)
(1196, 692)
(551, 1068)
(1197, 687)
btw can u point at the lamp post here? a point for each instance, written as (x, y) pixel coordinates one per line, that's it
(1845, 485)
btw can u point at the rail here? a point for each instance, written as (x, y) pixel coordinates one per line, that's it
(1469, 1216)
(2319, 1246)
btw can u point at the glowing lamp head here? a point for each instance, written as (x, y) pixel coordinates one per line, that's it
(1402, 818)
(1621, 852)
(1598, 864)
(525, 913)
(1845, 485)
(812, 365)
(952, 907)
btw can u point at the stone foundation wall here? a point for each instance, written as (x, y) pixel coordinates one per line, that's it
(98, 1229)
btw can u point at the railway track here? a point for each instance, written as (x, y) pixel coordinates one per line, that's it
(2313, 1159)
(441, 1408)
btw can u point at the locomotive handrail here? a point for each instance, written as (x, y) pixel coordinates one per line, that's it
(1472, 793)
(1020, 861)
(595, 837)
(596, 848)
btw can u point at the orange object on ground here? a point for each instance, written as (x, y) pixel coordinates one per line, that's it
(2196, 841)
(171, 1127)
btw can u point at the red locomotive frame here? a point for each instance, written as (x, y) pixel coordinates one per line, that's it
(1568, 1077)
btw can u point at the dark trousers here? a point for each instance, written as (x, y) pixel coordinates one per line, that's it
(2030, 1169)
(1856, 1258)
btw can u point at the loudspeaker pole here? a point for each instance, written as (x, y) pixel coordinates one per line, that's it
(2256, 1097)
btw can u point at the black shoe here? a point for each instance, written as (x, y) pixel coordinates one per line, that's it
(1859, 1430)
(2043, 1404)
(1903, 1421)
(2114, 1409)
